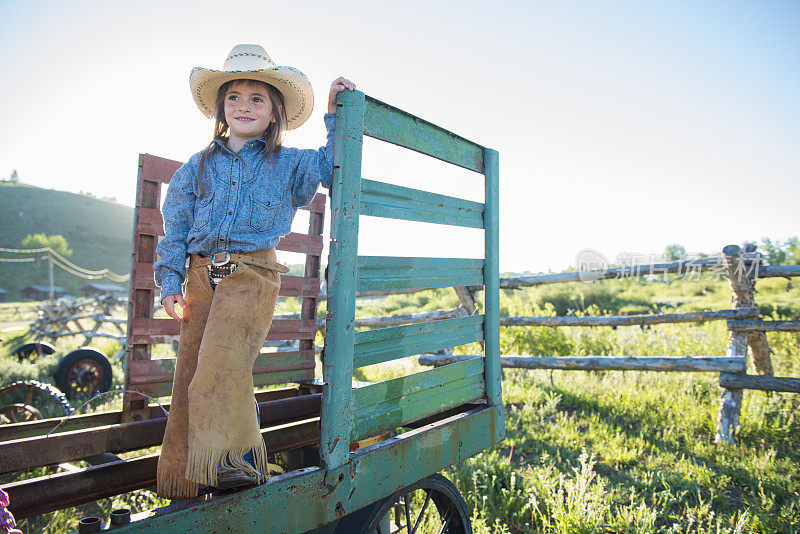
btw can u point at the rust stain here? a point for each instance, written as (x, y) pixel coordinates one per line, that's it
(353, 469)
(339, 510)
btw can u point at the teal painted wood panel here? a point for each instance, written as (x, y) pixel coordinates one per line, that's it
(380, 199)
(308, 498)
(385, 344)
(395, 413)
(389, 272)
(378, 392)
(337, 369)
(491, 275)
(398, 127)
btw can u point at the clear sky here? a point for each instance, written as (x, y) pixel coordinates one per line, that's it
(621, 126)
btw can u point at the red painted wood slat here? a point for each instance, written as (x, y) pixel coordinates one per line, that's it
(159, 169)
(162, 370)
(302, 243)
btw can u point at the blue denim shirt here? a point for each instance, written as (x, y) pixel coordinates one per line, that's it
(249, 203)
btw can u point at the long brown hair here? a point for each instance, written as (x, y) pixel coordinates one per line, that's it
(273, 135)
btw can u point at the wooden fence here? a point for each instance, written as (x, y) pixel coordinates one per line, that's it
(746, 329)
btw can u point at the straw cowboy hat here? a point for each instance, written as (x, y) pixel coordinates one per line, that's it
(251, 62)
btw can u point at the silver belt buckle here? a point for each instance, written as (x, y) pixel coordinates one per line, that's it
(216, 263)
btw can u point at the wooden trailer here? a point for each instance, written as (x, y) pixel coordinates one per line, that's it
(335, 481)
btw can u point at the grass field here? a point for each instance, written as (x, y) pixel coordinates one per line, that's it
(604, 451)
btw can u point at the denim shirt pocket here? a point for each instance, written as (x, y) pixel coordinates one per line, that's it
(202, 211)
(262, 212)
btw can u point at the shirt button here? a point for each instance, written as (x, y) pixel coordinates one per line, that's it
(234, 182)
(230, 213)
(222, 239)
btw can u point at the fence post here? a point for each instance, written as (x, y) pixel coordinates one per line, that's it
(730, 401)
(742, 276)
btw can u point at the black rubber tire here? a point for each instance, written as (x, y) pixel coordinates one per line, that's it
(446, 499)
(32, 351)
(82, 373)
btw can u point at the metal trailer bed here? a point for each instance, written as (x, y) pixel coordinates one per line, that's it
(335, 483)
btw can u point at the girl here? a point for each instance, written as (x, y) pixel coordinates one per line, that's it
(226, 209)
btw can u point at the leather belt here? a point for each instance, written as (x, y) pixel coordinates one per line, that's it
(224, 258)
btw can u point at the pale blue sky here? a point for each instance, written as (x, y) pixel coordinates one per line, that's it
(621, 126)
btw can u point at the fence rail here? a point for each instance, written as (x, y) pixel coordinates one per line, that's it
(605, 363)
(746, 330)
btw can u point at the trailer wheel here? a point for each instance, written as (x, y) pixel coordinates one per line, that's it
(30, 352)
(432, 504)
(83, 372)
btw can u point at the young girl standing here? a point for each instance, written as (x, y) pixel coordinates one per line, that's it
(226, 210)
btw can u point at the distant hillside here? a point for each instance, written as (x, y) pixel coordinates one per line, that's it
(98, 231)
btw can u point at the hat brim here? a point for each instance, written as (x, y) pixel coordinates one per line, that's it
(296, 89)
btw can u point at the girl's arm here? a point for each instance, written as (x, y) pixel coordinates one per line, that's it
(315, 166)
(178, 211)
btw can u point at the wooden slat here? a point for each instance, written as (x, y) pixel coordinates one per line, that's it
(778, 270)
(142, 276)
(302, 243)
(380, 199)
(143, 326)
(764, 326)
(162, 370)
(388, 272)
(395, 126)
(317, 205)
(150, 339)
(287, 328)
(761, 382)
(275, 362)
(379, 392)
(291, 286)
(158, 169)
(299, 286)
(149, 216)
(387, 405)
(605, 363)
(384, 344)
(627, 320)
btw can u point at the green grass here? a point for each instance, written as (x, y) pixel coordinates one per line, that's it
(627, 451)
(634, 452)
(604, 451)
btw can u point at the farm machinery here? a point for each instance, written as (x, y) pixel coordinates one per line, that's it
(80, 373)
(356, 457)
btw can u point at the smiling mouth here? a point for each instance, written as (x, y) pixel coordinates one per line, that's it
(244, 119)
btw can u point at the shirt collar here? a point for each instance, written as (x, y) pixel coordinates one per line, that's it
(258, 144)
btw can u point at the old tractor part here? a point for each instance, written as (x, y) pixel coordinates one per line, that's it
(19, 413)
(31, 352)
(29, 400)
(83, 372)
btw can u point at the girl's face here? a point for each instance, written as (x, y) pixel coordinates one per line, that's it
(248, 110)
